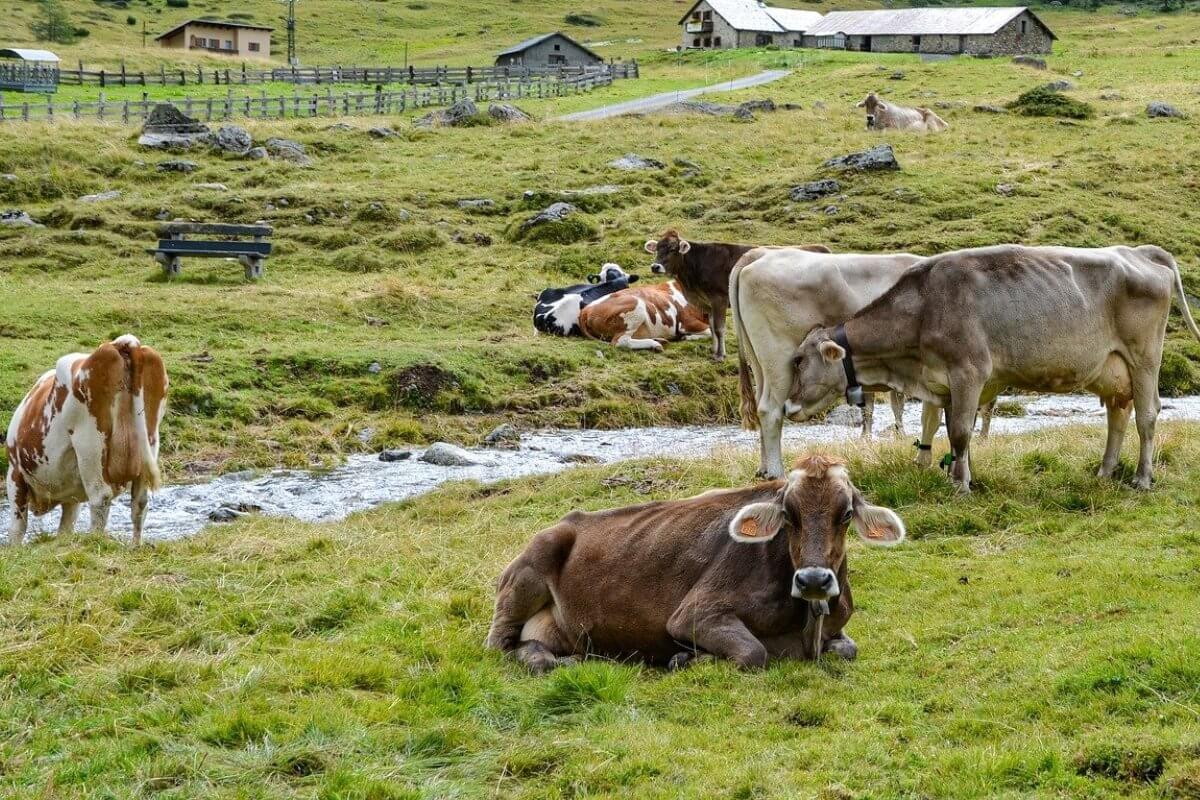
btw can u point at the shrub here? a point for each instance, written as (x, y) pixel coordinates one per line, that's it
(177, 3)
(131, 20)
(583, 20)
(52, 23)
(1045, 102)
(1178, 375)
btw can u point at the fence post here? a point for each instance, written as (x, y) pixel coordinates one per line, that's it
(76, 109)
(182, 78)
(243, 73)
(122, 72)
(1, 108)
(200, 75)
(125, 113)
(102, 78)
(187, 104)
(412, 75)
(101, 108)
(25, 111)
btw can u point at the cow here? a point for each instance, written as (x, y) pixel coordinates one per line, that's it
(644, 318)
(778, 296)
(959, 327)
(89, 428)
(884, 116)
(667, 581)
(557, 310)
(702, 270)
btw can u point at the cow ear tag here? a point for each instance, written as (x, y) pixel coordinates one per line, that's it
(749, 528)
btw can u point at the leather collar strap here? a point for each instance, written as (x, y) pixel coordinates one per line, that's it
(854, 390)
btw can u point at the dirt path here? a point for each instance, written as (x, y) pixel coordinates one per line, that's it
(655, 102)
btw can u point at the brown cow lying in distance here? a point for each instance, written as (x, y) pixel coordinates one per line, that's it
(882, 116)
(644, 318)
(669, 580)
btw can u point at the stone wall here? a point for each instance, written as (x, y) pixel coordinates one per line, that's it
(1009, 40)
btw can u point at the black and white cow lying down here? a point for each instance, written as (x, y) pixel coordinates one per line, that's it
(557, 310)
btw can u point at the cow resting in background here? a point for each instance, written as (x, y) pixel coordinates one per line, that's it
(644, 318)
(669, 580)
(702, 270)
(884, 116)
(959, 327)
(88, 429)
(557, 310)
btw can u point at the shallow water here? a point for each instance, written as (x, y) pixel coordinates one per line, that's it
(365, 482)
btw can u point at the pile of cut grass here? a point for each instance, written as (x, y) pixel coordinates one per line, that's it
(1046, 102)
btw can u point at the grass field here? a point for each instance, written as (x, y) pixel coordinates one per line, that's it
(1034, 640)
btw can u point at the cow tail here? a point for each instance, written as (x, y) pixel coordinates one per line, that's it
(1181, 296)
(749, 400)
(135, 361)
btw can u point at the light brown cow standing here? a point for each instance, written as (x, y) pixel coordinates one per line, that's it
(669, 580)
(884, 116)
(644, 318)
(88, 429)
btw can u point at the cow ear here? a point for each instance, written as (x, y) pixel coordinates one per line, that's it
(651, 246)
(593, 279)
(684, 247)
(757, 522)
(831, 351)
(633, 279)
(876, 525)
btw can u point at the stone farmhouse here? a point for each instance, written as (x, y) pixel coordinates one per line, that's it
(714, 24)
(548, 50)
(220, 37)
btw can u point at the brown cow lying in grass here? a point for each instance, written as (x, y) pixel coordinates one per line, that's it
(669, 580)
(644, 318)
(882, 116)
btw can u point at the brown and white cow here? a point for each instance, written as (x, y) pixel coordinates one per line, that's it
(702, 269)
(958, 328)
(88, 429)
(644, 318)
(669, 580)
(884, 116)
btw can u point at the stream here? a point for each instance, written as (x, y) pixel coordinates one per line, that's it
(364, 481)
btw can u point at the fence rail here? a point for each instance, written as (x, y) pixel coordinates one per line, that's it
(309, 104)
(413, 76)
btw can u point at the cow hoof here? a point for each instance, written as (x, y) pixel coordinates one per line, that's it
(1142, 483)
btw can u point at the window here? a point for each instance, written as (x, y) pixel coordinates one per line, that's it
(696, 16)
(557, 47)
(696, 42)
(796, 43)
(762, 39)
(916, 44)
(254, 48)
(201, 41)
(1024, 24)
(228, 44)
(708, 41)
(557, 58)
(707, 16)
(716, 41)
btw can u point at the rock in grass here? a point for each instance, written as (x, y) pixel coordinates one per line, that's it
(233, 139)
(8, 177)
(442, 454)
(464, 112)
(212, 187)
(1158, 108)
(815, 190)
(632, 162)
(257, 154)
(850, 416)
(1062, 85)
(382, 132)
(504, 436)
(17, 218)
(288, 150)
(506, 112)
(879, 157)
(168, 128)
(102, 197)
(476, 204)
(1030, 61)
(392, 456)
(983, 108)
(178, 165)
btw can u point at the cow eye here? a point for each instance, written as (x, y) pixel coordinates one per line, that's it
(849, 515)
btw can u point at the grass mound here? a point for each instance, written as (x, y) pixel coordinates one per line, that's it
(1045, 102)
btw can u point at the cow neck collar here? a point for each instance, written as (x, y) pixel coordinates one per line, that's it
(854, 390)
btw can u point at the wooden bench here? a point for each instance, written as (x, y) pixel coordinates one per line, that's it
(174, 246)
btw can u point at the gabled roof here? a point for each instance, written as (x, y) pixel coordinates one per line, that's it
(794, 19)
(536, 40)
(920, 21)
(26, 54)
(219, 23)
(744, 15)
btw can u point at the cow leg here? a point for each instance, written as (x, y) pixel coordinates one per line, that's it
(66, 523)
(723, 635)
(18, 511)
(139, 500)
(931, 419)
(99, 509)
(716, 322)
(897, 401)
(868, 415)
(626, 342)
(1146, 405)
(985, 414)
(1118, 422)
(770, 440)
(960, 422)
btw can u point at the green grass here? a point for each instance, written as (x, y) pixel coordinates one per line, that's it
(1033, 640)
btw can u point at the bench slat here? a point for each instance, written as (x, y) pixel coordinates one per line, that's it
(184, 247)
(216, 229)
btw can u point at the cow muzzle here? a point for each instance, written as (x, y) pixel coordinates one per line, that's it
(870, 121)
(658, 269)
(815, 583)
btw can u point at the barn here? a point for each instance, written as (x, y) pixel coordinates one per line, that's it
(550, 49)
(983, 31)
(724, 24)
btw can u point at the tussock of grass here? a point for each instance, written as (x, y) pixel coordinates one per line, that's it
(1045, 102)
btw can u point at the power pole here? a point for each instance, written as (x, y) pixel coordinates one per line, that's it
(143, 31)
(291, 32)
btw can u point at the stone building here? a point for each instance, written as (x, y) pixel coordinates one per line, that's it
(722, 24)
(934, 31)
(219, 37)
(549, 49)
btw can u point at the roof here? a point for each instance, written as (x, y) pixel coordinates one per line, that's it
(752, 15)
(27, 55)
(220, 23)
(536, 40)
(919, 21)
(794, 19)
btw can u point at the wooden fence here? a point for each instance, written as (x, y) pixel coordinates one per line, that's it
(311, 104)
(413, 76)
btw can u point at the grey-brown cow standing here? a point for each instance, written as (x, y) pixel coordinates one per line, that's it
(959, 327)
(665, 581)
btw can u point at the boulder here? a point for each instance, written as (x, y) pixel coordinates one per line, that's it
(554, 213)
(212, 187)
(481, 239)
(1005, 189)
(1030, 61)
(687, 164)
(744, 115)
(718, 110)
(461, 113)
(340, 127)
(1158, 108)
(504, 436)
(577, 458)
(631, 162)
(505, 112)
(447, 455)
(880, 156)
(102, 197)
(233, 139)
(983, 108)
(392, 456)
(382, 132)
(850, 416)
(896, 76)
(374, 368)
(8, 177)
(178, 165)
(766, 104)
(168, 128)
(1111, 96)
(815, 189)
(17, 218)
(476, 203)
(288, 150)
(257, 154)
(1061, 85)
